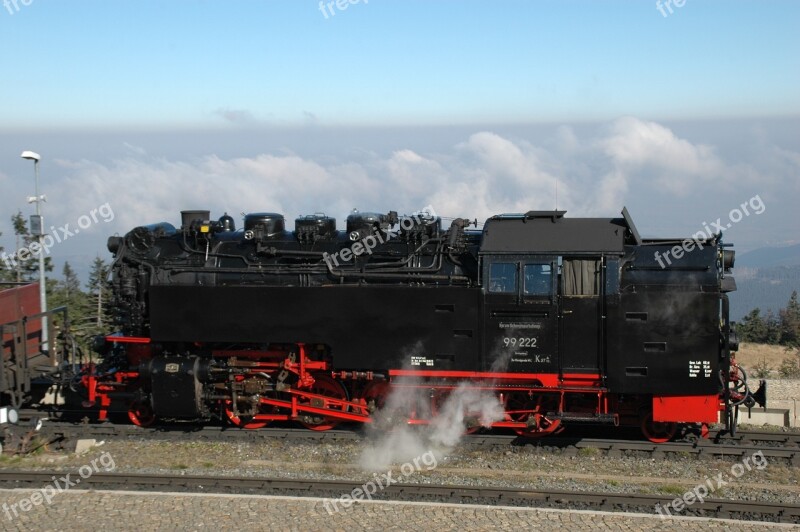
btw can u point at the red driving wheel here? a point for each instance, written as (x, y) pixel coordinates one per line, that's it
(141, 414)
(328, 387)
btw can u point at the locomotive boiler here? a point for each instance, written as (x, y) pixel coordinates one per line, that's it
(565, 320)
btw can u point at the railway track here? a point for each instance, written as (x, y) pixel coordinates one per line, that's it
(334, 489)
(774, 445)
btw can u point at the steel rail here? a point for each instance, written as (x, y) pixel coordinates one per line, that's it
(334, 489)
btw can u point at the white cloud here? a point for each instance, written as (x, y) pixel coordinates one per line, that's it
(482, 176)
(637, 147)
(486, 173)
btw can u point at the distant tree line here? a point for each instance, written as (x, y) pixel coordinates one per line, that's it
(764, 288)
(783, 329)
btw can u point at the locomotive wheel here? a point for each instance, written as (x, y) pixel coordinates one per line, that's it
(471, 421)
(141, 414)
(375, 395)
(237, 421)
(522, 401)
(658, 431)
(547, 427)
(327, 386)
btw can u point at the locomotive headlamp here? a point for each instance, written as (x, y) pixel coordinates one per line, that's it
(728, 259)
(205, 228)
(114, 243)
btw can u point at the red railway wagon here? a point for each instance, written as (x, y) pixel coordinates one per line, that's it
(24, 359)
(15, 304)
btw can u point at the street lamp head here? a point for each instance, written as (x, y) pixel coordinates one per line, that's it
(32, 155)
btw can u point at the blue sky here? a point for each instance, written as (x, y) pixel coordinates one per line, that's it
(169, 64)
(475, 108)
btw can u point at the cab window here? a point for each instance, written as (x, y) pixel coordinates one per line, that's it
(580, 277)
(503, 277)
(538, 279)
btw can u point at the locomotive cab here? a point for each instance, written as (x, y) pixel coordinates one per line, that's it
(544, 292)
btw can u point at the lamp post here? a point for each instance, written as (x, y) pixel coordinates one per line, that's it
(33, 156)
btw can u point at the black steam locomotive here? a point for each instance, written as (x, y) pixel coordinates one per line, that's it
(564, 320)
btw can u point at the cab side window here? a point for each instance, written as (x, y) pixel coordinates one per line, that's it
(503, 277)
(580, 277)
(538, 279)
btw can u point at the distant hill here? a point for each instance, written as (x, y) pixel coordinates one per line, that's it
(767, 257)
(765, 279)
(764, 288)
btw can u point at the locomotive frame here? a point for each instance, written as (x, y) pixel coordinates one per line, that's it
(565, 320)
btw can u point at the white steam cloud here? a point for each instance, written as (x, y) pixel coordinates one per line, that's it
(392, 441)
